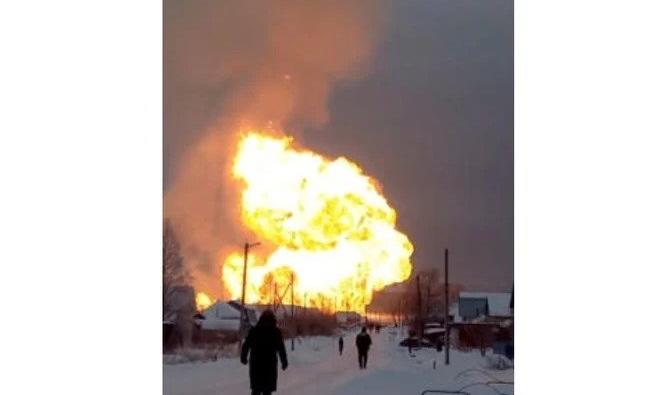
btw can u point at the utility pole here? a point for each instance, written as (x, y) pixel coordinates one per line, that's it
(428, 304)
(243, 311)
(419, 317)
(446, 306)
(275, 298)
(292, 319)
(247, 247)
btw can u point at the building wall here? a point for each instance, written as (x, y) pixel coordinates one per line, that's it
(470, 308)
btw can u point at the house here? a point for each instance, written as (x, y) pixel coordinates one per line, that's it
(486, 321)
(226, 316)
(223, 321)
(472, 305)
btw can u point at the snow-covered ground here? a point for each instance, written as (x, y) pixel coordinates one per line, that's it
(315, 367)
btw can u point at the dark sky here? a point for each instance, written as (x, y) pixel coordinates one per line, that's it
(433, 121)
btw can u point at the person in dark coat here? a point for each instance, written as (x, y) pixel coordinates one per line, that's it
(341, 344)
(264, 341)
(363, 342)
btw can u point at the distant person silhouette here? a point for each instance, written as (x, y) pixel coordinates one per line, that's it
(341, 344)
(265, 341)
(363, 342)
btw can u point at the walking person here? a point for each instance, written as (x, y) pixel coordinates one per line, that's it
(341, 344)
(264, 342)
(363, 342)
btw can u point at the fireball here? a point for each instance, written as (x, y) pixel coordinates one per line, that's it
(329, 225)
(202, 301)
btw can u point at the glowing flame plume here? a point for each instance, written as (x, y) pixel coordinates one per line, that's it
(202, 301)
(331, 226)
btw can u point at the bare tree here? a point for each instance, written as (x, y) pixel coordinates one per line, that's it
(175, 273)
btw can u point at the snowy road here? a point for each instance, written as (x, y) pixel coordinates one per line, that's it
(315, 367)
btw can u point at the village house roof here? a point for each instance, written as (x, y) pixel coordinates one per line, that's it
(498, 302)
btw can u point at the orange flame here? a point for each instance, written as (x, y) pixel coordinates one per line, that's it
(202, 301)
(332, 229)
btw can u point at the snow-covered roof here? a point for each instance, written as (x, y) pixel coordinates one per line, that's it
(221, 310)
(498, 301)
(221, 316)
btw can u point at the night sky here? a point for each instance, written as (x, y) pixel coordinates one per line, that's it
(432, 120)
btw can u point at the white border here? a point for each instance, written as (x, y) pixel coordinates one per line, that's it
(80, 212)
(591, 196)
(80, 165)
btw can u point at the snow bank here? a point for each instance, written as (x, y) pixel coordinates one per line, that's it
(189, 355)
(499, 362)
(316, 368)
